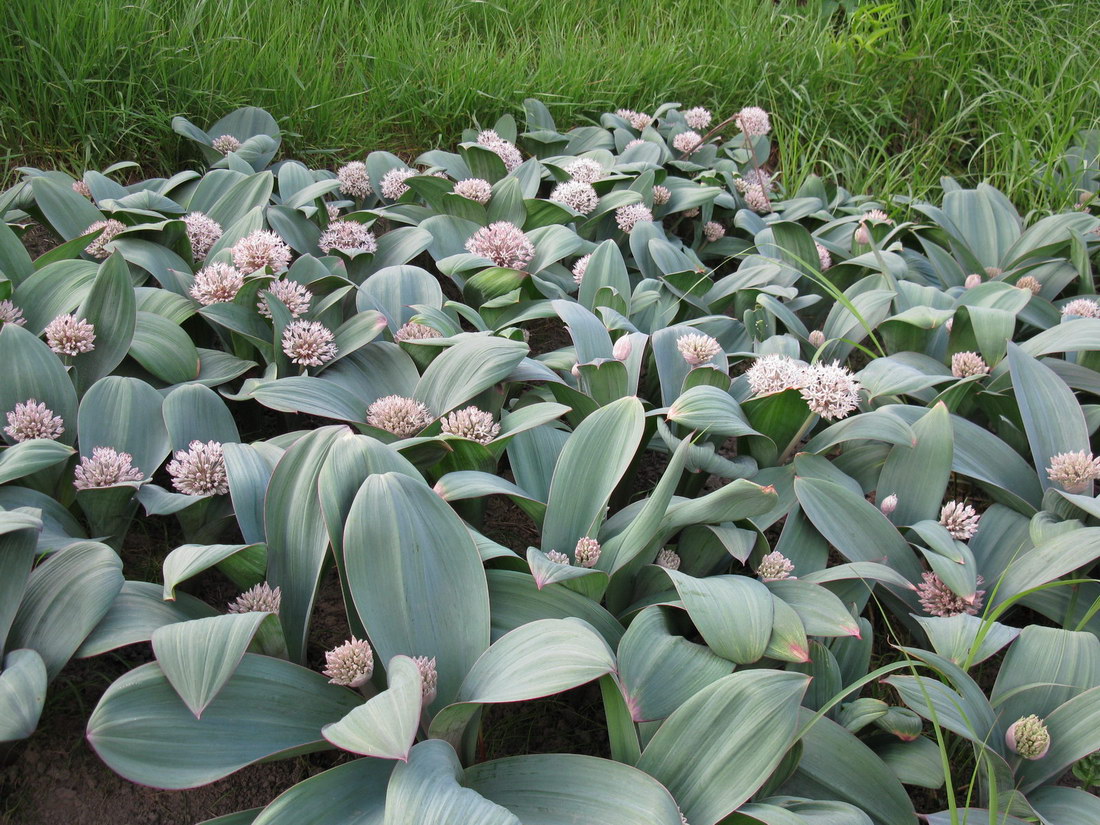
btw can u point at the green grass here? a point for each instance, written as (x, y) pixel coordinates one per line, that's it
(886, 99)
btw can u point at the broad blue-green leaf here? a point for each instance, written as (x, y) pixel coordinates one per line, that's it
(18, 537)
(396, 289)
(822, 613)
(22, 694)
(197, 413)
(68, 212)
(164, 349)
(190, 559)
(1052, 558)
(248, 468)
(710, 411)
(516, 601)
(385, 726)
(32, 371)
(354, 794)
(462, 371)
(125, 414)
(1074, 734)
(733, 613)
(110, 307)
(954, 637)
(28, 457)
(137, 611)
(1044, 668)
(918, 474)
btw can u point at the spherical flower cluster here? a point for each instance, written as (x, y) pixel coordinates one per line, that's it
(862, 234)
(11, 314)
(661, 195)
(415, 332)
(393, 184)
(972, 280)
(992, 272)
(503, 149)
(471, 423)
(637, 120)
(754, 177)
(1028, 737)
(1030, 283)
(966, 364)
(889, 504)
(351, 664)
(260, 249)
(756, 198)
(1082, 308)
(504, 244)
(217, 284)
(630, 144)
(961, 520)
(774, 566)
(332, 211)
(668, 559)
(354, 180)
(697, 118)
(202, 233)
(81, 188)
(260, 598)
(577, 195)
(199, 470)
(1073, 472)
(752, 120)
(937, 598)
(587, 552)
(713, 231)
(349, 237)
(627, 216)
(33, 419)
(830, 390)
(105, 467)
(429, 678)
(775, 373)
(398, 415)
(697, 348)
(308, 343)
(580, 267)
(816, 338)
(292, 294)
(586, 170)
(110, 228)
(687, 142)
(558, 557)
(474, 189)
(68, 335)
(225, 144)
(824, 259)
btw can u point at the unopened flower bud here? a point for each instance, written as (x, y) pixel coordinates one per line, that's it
(1028, 737)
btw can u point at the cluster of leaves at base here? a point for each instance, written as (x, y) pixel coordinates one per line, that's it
(727, 613)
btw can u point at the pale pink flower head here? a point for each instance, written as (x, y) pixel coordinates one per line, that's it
(693, 212)
(1028, 737)
(668, 559)
(349, 237)
(824, 259)
(504, 244)
(972, 280)
(585, 170)
(1030, 283)
(877, 216)
(202, 233)
(105, 467)
(354, 180)
(713, 231)
(1073, 472)
(33, 419)
(697, 348)
(687, 142)
(889, 504)
(69, 335)
(961, 520)
(503, 149)
(401, 416)
(661, 195)
(754, 177)
(558, 557)
(308, 343)
(816, 338)
(756, 198)
(11, 314)
(635, 142)
(217, 284)
(225, 144)
(429, 678)
(81, 188)
(580, 267)
(393, 184)
(774, 566)
(471, 423)
(260, 598)
(937, 598)
(775, 373)
(627, 217)
(1082, 308)
(577, 195)
(292, 294)
(966, 364)
(992, 272)
(697, 118)
(830, 390)
(110, 228)
(351, 664)
(622, 348)
(416, 332)
(259, 249)
(753, 121)
(332, 211)
(199, 470)
(637, 120)
(587, 552)
(862, 234)
(474, 189)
